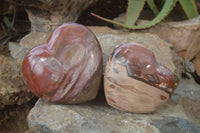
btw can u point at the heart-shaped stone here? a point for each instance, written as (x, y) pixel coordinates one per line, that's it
(68, 68)
(134, 81)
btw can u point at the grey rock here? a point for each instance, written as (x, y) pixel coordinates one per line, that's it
(189, 67)
(189, 97)
(84, 118)
(98, 117)
(175, 125)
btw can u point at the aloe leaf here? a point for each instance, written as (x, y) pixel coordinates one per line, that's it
(133, 11)
(167, 7)
(153, 7)
(108, 20)
(189, 8)
(7, 22)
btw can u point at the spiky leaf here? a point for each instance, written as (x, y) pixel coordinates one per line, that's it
(153, 7)
(133, 11)
(167, 7)
(189, 8)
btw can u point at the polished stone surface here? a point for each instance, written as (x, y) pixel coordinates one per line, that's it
(68, 68)
(135, 82)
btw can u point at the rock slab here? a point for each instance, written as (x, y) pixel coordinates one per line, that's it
(98, 117)
(183, 35)
(196, 63)
(12, 87)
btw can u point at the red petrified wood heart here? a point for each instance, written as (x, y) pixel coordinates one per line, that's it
(134, 81)
(68, 68)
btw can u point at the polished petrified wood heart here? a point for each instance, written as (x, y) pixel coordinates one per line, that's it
(134, 81)
(68, 68)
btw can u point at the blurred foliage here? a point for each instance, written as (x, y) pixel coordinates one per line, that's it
(13, 26)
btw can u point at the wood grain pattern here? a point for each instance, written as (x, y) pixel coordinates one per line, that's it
(134, 81)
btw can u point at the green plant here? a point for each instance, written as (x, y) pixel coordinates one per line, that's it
(136, 6)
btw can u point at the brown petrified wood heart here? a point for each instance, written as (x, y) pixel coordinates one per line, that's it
(68, 68)
(134, 81)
